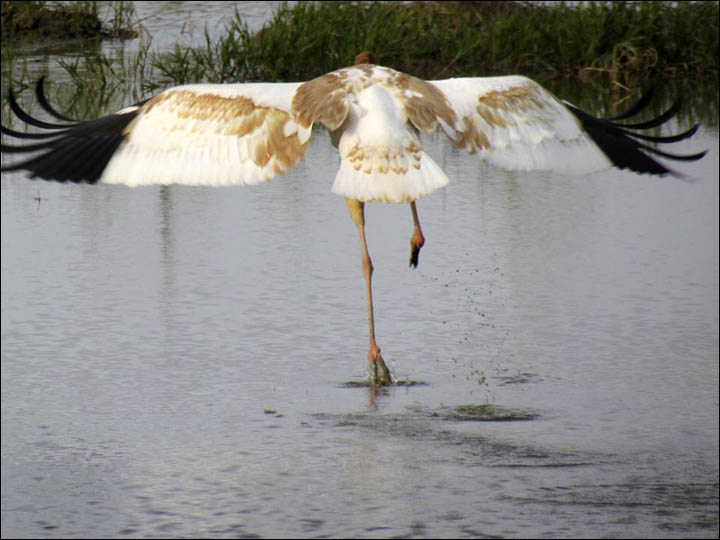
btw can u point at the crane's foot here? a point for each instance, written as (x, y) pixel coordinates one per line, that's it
(379, 372)
(414, 255)
(416, 242)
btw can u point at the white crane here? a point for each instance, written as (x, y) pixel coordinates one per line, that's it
(212, 135)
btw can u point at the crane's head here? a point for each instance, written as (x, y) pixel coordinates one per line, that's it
(365, 57)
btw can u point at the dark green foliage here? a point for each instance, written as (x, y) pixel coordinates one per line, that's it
(620, 46)
(621, 41)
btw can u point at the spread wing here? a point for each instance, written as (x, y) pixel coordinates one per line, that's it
(514, 123)
(197, 134)
(248, 133)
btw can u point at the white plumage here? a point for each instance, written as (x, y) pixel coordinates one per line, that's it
(208, 134)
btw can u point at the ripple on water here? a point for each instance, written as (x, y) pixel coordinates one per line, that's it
(478, 448)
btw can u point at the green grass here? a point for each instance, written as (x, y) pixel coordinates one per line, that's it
(618, 47)
(619, 42)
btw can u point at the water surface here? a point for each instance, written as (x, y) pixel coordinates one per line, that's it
(175, 360)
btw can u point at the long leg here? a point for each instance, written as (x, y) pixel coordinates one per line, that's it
(357, 213)
(417, 240)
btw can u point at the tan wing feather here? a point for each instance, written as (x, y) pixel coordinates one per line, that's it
(196, 135)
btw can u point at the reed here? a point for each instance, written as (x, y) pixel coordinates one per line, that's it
(618, 46)
(617, 41)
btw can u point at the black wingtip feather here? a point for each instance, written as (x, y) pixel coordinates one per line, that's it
(655, 122)
(620, 144)
(74, 151)
(21, 135)
(662, 138)
(25, 117)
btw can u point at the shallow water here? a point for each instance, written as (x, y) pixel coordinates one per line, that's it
(189, 362)
(185, 22)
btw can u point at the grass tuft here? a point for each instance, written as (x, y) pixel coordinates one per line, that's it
(619, 45)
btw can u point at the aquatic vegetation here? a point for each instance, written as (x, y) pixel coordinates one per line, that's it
(617, 40)
(623, 46)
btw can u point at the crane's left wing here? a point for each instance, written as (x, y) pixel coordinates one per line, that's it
(201, 134)
(516, 124)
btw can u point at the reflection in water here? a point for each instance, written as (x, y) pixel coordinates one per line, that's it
(168, 289)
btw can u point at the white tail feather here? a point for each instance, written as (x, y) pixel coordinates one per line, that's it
(403, 187)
